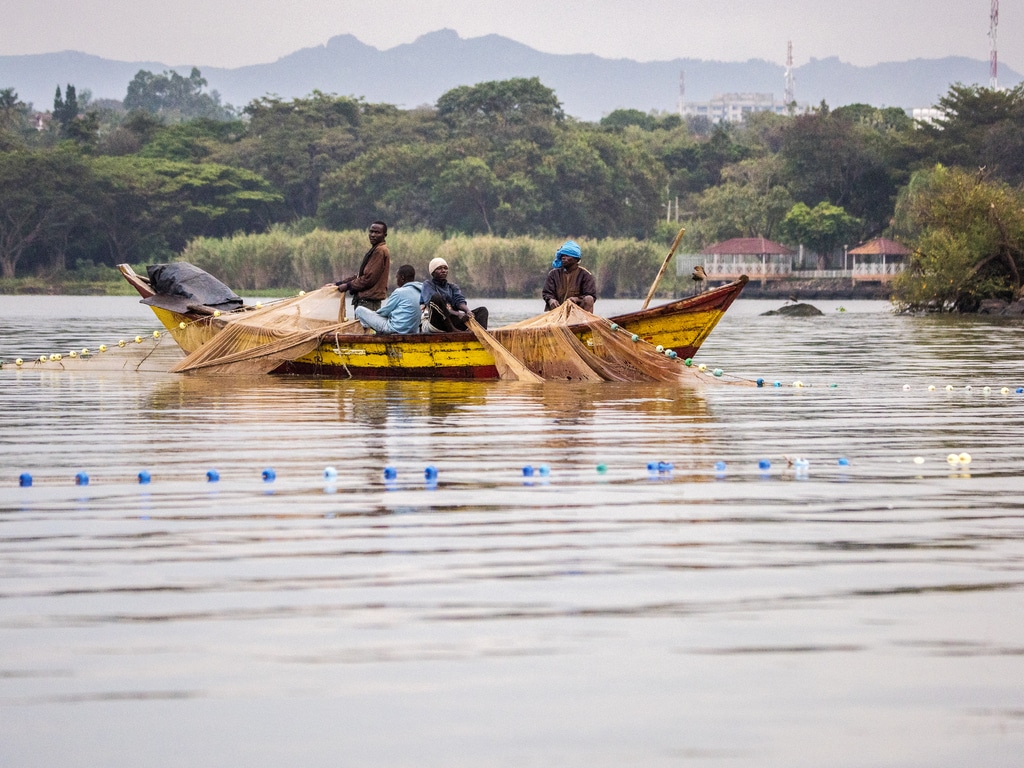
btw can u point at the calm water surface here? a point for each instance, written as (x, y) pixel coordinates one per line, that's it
(861, 614)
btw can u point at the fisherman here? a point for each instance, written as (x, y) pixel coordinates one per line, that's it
(401, 312)
(568, 281)
(445, 309)
(369, 285)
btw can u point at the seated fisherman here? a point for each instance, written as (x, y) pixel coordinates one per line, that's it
(445, 308)
(568, 281)
(400, 313)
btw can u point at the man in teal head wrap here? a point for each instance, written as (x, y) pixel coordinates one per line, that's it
(568, 281)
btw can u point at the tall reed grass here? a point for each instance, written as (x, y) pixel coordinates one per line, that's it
(483, 266)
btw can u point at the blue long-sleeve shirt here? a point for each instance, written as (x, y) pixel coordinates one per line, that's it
(402, 308)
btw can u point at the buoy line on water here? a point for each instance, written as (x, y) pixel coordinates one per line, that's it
(968, 388)
(145, 343)
(661, 469)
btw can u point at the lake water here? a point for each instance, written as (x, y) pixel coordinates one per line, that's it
(844, 606)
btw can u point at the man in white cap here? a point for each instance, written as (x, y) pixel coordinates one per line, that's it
(446, 309)
(568, 281)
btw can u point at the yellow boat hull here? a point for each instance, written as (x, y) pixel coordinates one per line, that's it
(681, 325)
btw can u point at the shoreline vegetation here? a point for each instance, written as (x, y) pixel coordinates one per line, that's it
(281, 263)
(493, 176)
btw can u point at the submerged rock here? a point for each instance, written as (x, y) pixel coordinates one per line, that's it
(795, 310)
(993, 307)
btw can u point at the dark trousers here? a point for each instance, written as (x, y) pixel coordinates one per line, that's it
(440, 319)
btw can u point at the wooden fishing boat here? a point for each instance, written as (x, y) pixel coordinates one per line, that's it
(681, 325)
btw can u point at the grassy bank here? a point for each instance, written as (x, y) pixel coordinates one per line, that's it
(280, 262)
(483, 266)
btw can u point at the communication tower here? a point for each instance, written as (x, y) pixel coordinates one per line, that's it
(790, 88)
(993, 66)
(682, 91)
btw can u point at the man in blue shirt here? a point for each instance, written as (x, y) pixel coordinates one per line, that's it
(447, 308)
(400, 313)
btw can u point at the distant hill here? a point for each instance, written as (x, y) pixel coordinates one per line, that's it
(588, 86)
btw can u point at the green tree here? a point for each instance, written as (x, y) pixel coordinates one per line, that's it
(134, 133)
(695, 163)
(502, 109)
(65, 109)
(393, 183)
(822, 228)
(174, 97)
(36, 201)
(884, 118)
(600, 184)
(295, 144)
(969, 237)
(15, 124)
(152, 207)
(466, 195)
(194, 140)
(623, 118)
(828, 156)
(69, 120)
(980, 128)
(740, 210)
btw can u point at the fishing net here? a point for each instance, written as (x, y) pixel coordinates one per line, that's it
(571, 344)
(565, 344)
(510, 368)
(260, 340)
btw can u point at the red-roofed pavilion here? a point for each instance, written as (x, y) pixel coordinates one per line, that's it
(758, 257)
(880, 259)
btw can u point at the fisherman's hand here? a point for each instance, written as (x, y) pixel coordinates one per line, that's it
(575, 300)
(552, 303)
(343, 287)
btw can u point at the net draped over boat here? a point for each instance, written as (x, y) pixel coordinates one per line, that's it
(565, 344)
(260, 340)
(570, 344)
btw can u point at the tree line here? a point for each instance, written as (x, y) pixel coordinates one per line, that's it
(137, 181)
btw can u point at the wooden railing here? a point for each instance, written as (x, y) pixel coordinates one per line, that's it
(766, 270)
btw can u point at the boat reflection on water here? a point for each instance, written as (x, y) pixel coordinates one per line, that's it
(477, 433)
(376, 403)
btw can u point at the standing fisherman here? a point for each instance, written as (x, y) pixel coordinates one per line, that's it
(369, 286)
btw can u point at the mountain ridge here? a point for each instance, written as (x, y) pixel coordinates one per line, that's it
(589, 86)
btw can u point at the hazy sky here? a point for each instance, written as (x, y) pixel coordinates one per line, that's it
(230, 33)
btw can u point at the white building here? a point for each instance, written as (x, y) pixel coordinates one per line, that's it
(733, 107)
(927, 114)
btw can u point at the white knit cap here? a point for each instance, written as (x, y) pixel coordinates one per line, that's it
(435, 263)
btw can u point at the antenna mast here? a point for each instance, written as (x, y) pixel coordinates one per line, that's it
(993, 67)
(790, 89)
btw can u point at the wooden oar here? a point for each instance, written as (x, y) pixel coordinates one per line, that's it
(654, 285)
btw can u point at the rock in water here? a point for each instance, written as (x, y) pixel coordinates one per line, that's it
(795, 310)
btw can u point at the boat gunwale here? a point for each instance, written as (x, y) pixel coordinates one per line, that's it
(719, 298)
